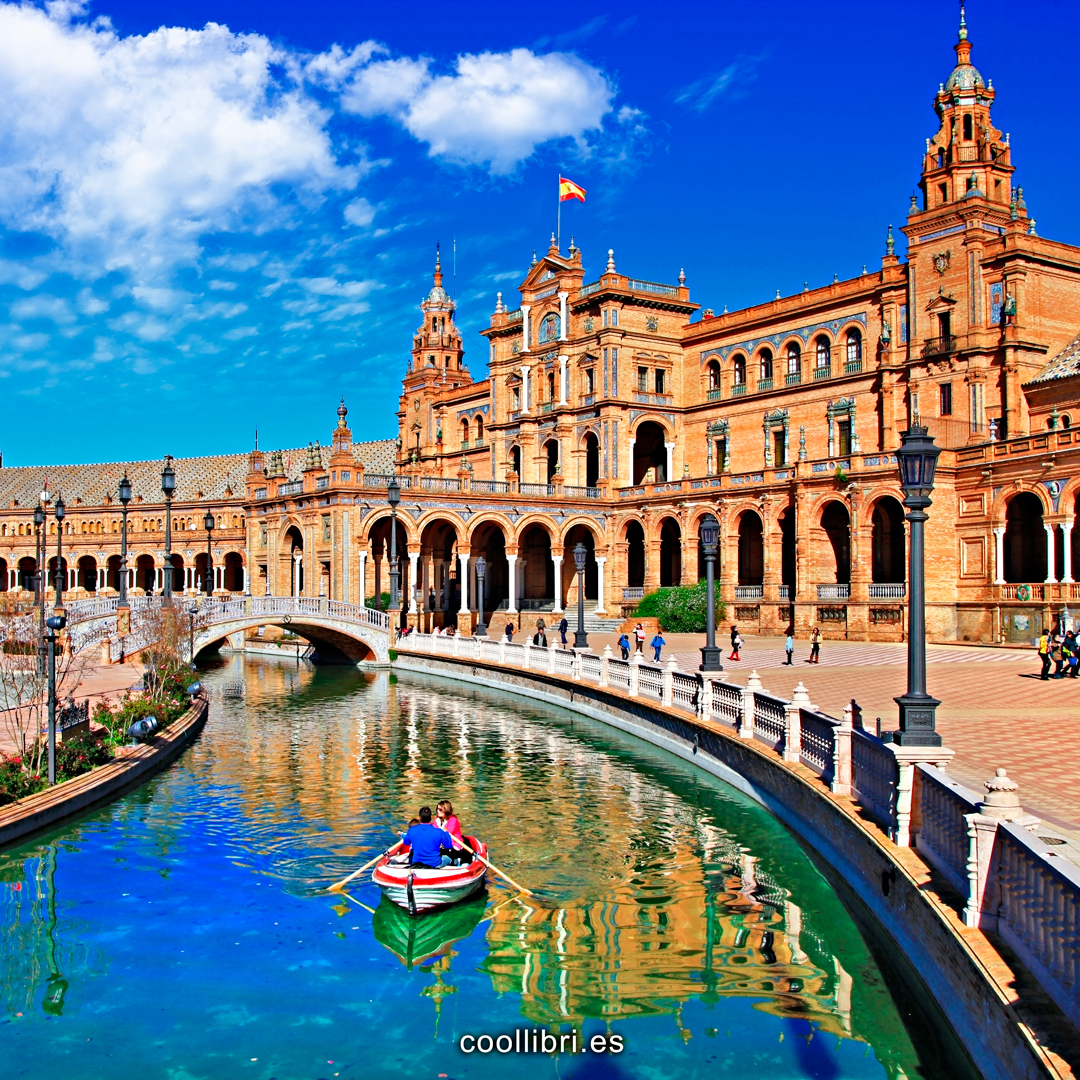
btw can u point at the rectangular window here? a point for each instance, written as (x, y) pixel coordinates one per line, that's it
(660, 382)
(997, 302)
(346, 476)
(262, 536)
(643, 380)
(590, 381)
(326, 527)
(515, 398)
(779, 454)
(721, 454)
(903, 324)
(606, 316)
(946, 399)
(843, 430)
(614, 317)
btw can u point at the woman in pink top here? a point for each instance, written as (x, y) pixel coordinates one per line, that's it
(444, 812)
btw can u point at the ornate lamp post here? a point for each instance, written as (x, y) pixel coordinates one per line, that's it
(709, 530)
(60, 573)
(918, 460)
(481, 570)
(52, 624)
(581, 555)
(39, 574)
(208, 525)
(393, 497)
(125, 498)
(168, 486)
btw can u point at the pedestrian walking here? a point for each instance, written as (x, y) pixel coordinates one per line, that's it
(510, 630)
(563, 627)
(1071, 649)
(657, 644)
(1044, 655)
(624, 646)
(789, 648)
(1057, 655)
(815, 646)
(736, 643)
(639, 637)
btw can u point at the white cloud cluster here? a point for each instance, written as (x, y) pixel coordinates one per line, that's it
(127, 149)
(494, 109)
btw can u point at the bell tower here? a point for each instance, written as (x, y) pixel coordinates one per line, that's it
(437, 364)
(967, 160)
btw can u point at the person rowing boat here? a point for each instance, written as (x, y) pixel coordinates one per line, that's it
(429, 845)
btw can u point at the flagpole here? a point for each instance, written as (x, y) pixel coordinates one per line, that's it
(558, 214)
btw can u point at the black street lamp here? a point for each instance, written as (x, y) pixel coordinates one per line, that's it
(52, 624)
(481, 570)
(168, 486)
(709, 530)
(60, 574)
(39, 574)
(917, 456)
(581, 554)
(393, 497)
(125, 498)
(208, 525)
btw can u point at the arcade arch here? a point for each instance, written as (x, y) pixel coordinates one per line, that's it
(650, 452)
(836, 524)
(1025, 539)
(887, 541)
(751, 549)
(670, 553)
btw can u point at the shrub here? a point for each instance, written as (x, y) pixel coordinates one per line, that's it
(681, 610)
(15, 782)
(81, 754)
(379, 603)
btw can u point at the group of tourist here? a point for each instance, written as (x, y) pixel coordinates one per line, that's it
(436, 843)
(1062, 649)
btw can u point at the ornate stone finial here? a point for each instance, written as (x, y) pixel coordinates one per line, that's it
(1031, 229)
(682, 278)
(836, 279)
(777, 294)
(573, 247)
(1020, 204)
(864, 268)
(890, 242)
(963, 23)
(610, 261)
(1002, 800)
(1013, 212)
(499, 309)
(554, 244)
(535, 260)
(802, 442)
(801, 696)
(342, 412)
(806, 286)
(686, 468)
(754, 682)
(914, 207)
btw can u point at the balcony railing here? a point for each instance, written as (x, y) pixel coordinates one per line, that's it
(652, 287)
(783, 592)
(714, 394)
(633, 592)
(764, 384)
(935, 346)
(293, 488)
(834, 592)
(582, 492)
(260, 493)
(792, 378)
(381, 480)
(514, 316)
(738, 389)
(322, 482)
(439, 483)
(464, 444)
(822, 373)
(749, 592)
(888, 592)
(588, 399)
(490, 487)
(852, 367)
(588, 290)
(537, 489)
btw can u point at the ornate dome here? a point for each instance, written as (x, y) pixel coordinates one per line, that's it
(965, 77)
(437, 295)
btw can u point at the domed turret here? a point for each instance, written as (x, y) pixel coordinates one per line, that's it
(438, 295)
(964, 75)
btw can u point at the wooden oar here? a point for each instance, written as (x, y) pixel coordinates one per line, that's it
(492, 866)
(356, 873)
(360, 903)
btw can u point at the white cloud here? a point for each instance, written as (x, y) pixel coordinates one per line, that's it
(128, 149)
(495, 109)
(239, 332)
(44, 307)
(223, 286)
(89, 304)
(360, 213)
(699, 95)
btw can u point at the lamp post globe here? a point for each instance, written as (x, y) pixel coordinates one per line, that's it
(125, 498)
(393, 497)
(581, 557)
(168, 487)
(60, 511)
(481, 570)
(917, 459)
(709, 532)
(208, 581)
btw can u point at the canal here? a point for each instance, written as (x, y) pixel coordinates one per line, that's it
(183, 931)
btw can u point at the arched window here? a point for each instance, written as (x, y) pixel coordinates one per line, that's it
(854, 348)
(479, 429)
(551, 385)
(549, 328)
(766, 359)
(714, 375)
(739, 368)
(434, 326)
(794, 359)
(821, 353)
(967, 127)
(465, 431)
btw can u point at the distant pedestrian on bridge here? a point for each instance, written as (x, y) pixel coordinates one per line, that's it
(563, 627)
(1044, 655)
(815, 646)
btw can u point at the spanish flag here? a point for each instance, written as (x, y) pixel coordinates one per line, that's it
(569, 190)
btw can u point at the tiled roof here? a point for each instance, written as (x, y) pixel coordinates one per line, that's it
(208, 478)
(1066, 363)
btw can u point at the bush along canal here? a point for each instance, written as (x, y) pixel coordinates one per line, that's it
(676, 928)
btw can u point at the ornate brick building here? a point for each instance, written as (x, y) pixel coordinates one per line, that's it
(616, 412)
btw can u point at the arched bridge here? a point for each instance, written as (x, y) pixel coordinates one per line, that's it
(352, 631)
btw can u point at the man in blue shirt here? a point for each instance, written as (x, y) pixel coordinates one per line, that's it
(426, 842)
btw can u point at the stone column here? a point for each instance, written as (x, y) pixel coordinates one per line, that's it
(563, 316)
(1066, 529)
(362, 577)
(520, 587)
(344, 554)
(630, 459)
(463, 573)
(563, 379)
(999, 555)
(557, 560)
(414, 559)
(247, 581)
(525, 309)
(1050, 579)
(298, 558)
(525, 396)
(511, 561)
(601, 609)
(669, 475)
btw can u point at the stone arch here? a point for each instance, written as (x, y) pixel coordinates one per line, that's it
(145, 573)
(291, 551)
(232, 573)
(439, 565)
(739, 367)
(671, 544)
(650, 452)
(25, 573)
(552, 464)
(590, 440)
(488, 537)
(332, 643)
(835, 522)
(1025, 539)
(887, 541)
(751, 558)
(3, 575)
(586, 532)
(87, 573)
(634, 537)
(535, 567)
(376, 537)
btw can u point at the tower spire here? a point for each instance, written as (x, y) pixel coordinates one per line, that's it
(438, 265)
(963, 23)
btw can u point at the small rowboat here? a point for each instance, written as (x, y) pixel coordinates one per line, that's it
(419, 941)
(418, 888)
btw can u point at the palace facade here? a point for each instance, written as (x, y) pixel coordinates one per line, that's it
(616, 412)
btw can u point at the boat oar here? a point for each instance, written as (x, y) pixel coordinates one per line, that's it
(359, 903)
(356, 873)
(492, 866)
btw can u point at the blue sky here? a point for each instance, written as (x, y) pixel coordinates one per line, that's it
(219, 215)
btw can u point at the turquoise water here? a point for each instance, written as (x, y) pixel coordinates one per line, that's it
(181, 932)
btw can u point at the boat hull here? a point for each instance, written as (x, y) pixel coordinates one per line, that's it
(417, 889)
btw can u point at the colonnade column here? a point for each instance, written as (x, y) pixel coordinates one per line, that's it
(298, 562)
(463, 574)
(511, 562)
(600, 607)
(670, 474)
(414, 559)
(999, 555)
(1066, 529)
(525, 328)
(363, 576)
(1050, 579)
(563, 336)
(557, 560)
